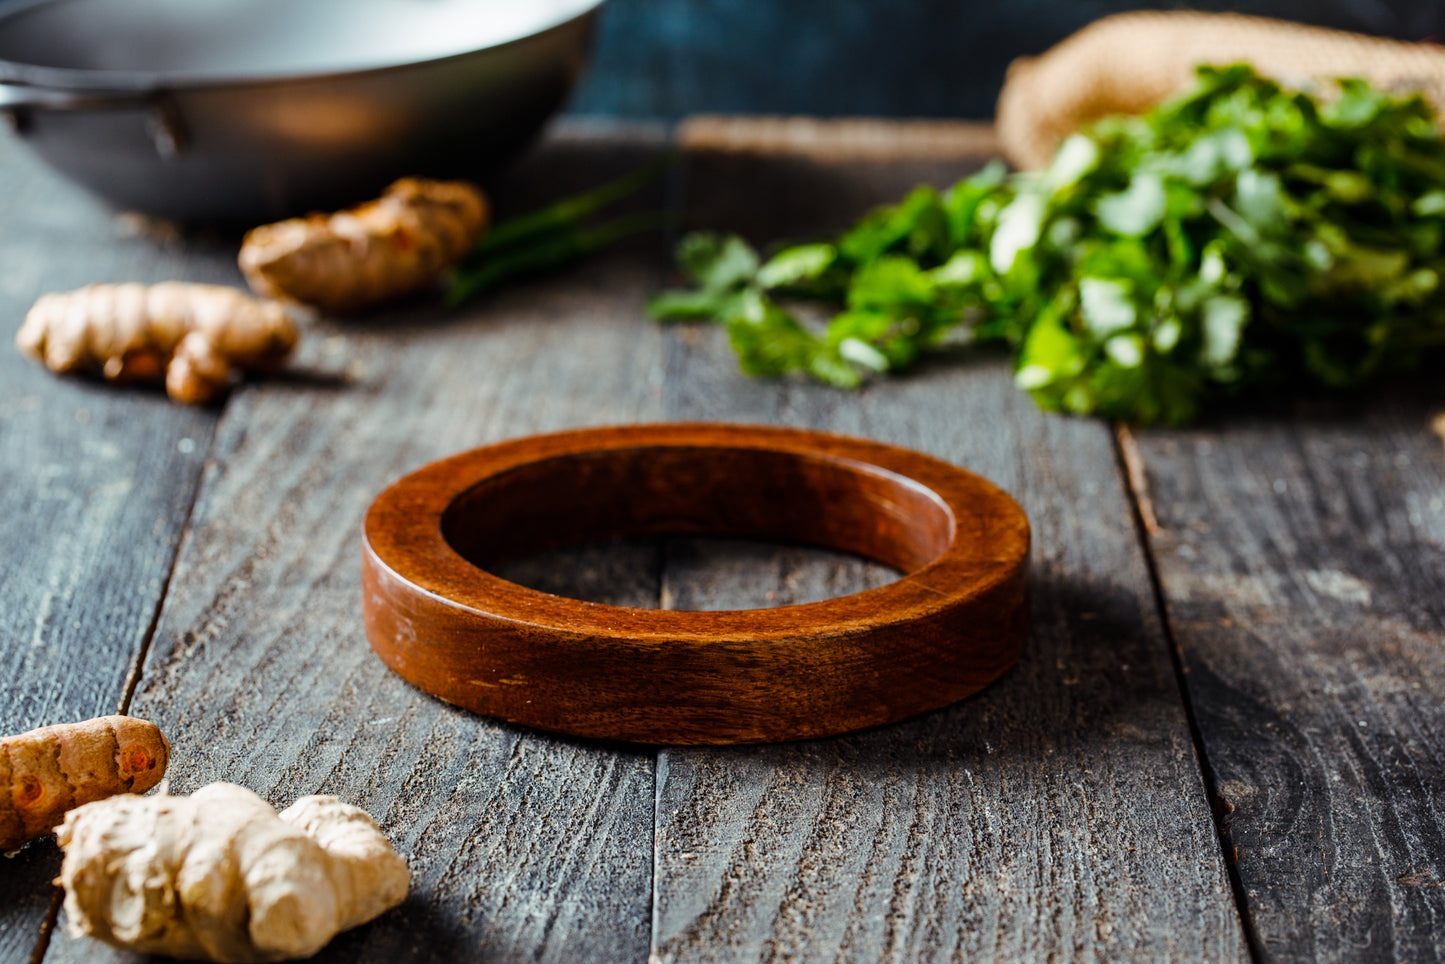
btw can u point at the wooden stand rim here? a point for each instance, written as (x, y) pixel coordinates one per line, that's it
(950, 625)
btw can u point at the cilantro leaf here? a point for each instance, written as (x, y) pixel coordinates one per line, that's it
(1239, 236)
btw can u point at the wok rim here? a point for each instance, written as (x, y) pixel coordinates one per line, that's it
(74, 79)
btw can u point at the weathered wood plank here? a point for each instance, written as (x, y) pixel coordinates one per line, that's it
(95, 487)
(1060, 813)
(1303, 563)
(522, 846)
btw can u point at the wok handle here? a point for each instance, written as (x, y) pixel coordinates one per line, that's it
(28, 97)
(163, 123)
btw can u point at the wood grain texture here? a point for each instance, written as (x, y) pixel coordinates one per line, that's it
(95, 487)
(1059, 814)
(1303, 562)
(522, 847)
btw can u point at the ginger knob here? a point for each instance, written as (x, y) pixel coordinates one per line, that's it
(221, 876)
(191, 336)
(373, 253)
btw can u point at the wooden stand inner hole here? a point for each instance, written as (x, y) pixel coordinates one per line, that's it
(760, 494)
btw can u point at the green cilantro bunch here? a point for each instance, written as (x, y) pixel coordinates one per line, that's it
(1238, 237)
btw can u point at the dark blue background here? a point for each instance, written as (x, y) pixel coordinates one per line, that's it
(938, 58)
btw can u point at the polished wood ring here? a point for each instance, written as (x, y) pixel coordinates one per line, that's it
(947, 628)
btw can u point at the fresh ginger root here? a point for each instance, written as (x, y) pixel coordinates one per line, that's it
(381, 250)
(48, 771)
(220, 876)
(189, 335)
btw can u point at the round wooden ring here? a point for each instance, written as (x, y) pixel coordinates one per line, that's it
(947, 628)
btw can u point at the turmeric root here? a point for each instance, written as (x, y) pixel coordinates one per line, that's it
(381, 250)
(48, 771)
(220, 876)
(1128, 62)
(189, 335)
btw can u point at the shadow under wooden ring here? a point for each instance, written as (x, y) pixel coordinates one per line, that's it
(951, 625)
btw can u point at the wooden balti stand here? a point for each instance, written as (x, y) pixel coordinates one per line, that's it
(954, 622)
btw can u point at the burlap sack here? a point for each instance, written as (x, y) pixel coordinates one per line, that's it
(1127, 63)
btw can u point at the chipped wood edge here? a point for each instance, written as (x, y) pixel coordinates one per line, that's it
(1138, 478)
(838, 139)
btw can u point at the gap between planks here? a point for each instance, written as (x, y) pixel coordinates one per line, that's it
(132, 678)
(136, 668)
(810, 185)
(804, 138)
(491, 369)
(1146, 525)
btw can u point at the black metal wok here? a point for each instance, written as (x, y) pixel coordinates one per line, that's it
(248, 110)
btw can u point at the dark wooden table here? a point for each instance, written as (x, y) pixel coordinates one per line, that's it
(1226, 739)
